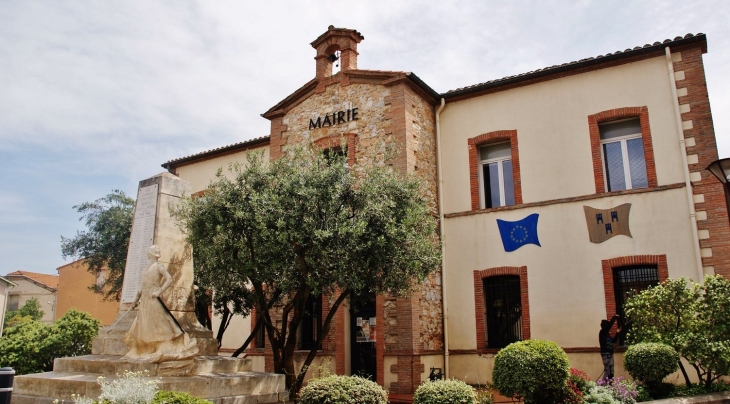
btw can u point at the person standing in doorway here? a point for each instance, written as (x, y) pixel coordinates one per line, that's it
(606, 342)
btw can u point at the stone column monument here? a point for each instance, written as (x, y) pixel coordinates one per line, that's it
(207, 375)
(152, 225)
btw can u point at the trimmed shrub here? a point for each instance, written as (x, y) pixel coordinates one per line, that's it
(650, 362)
(445, 392)
(535, 370)
(342, 390)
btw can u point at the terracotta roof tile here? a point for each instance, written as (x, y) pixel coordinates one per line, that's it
(256, 140)
(50, 281)
(626, 52)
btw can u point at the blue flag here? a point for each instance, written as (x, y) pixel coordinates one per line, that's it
(516, 234)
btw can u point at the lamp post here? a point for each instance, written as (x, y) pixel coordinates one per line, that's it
(721, 170)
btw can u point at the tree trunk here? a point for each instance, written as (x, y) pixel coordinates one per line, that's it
(225, 321)
(248, 340)
(320, 338)
(684, 373)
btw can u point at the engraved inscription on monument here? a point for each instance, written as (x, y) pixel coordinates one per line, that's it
(142, 237)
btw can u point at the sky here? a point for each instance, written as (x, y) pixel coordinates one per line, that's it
(95, 95)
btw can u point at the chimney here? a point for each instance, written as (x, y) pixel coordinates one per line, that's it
(336, 43)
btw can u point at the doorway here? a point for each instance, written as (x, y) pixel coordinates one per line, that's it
(363, 335)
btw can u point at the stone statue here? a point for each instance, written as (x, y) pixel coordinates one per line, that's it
(155, 335)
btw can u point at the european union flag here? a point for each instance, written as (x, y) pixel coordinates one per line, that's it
(516, 234)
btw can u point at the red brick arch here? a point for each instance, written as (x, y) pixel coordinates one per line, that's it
(608, 265)
(486, 138)
(479, 276)
(336, 140)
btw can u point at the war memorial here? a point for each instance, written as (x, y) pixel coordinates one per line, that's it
(156, 330)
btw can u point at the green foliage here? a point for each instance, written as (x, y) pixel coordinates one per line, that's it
(31, 310)
(342, 390)
(104, 244)
(31, 346)
(445, 392)
(176, 397)
(650, 362)
(697, 389)
(692, 318)
(274, 233)
(535, 370)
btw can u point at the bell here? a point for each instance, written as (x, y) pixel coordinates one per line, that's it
(332, 58)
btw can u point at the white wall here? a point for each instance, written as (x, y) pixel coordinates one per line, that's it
(551, 119)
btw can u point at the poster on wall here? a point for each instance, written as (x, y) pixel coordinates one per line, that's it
(604, 224)
(516, 234)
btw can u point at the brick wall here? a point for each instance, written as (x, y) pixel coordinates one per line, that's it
(712, 217)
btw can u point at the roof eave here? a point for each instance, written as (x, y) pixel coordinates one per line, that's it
(589, 62)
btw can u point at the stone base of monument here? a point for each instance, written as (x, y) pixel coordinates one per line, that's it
(110, 341)
(222, 380)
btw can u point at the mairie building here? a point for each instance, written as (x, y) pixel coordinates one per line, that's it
(559, 191)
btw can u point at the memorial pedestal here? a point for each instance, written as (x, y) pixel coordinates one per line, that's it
(221, 380)
(218, 379)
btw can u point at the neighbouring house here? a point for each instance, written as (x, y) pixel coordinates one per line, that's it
(74, 283)
(30, 285)
(560, 191)
(5, 286)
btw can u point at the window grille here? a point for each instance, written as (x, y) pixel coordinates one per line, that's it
(261, 336)
(311, 324)
(503, 304)
(629, 280)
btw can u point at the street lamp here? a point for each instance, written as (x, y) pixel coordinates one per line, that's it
(721, 170)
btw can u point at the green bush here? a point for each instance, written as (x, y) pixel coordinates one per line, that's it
(535, 370)
(650, 362)
(176, 397)
(342, 390)
(445, 391)
(31, 346)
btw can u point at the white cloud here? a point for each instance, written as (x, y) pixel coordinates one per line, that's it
(93, 91)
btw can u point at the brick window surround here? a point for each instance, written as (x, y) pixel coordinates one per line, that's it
(479, 277)
(612, 115)
(335, 141)
(485, 139)
(608, 265)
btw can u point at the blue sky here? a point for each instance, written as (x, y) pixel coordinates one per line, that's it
(95, 95)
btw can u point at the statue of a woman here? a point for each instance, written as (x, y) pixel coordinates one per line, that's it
(155, 335)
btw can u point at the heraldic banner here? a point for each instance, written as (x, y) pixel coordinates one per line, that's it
(516, 234)
(606, 223)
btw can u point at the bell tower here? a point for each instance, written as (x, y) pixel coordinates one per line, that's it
(337, 44)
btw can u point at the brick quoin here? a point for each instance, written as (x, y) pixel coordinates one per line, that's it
(705, 148)
(485, 139)
(612, 115)
(608, 265)
(479, 276)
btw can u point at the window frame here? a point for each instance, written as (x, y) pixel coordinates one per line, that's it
(486, 139)
(624, 155)
(500, 173)
(608, 266)
(619, 114)
(480, 309)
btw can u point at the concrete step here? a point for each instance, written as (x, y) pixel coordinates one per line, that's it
(222, 388)
(111, 365)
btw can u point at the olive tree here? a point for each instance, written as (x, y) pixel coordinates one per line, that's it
(692, 318)
(104, 244)
(309, 224)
